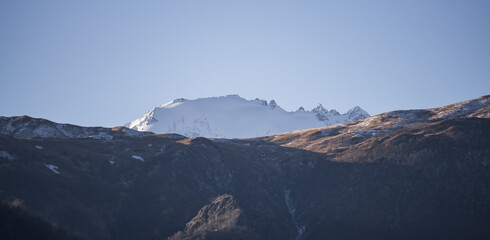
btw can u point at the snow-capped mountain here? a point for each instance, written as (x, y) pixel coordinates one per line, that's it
(406, 169)
(235, 117)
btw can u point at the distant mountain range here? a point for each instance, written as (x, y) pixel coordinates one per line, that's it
(411, 174)
(234, 117)
(28, 127)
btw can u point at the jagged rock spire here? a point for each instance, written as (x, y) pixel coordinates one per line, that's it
(319, 108)
(273, 104)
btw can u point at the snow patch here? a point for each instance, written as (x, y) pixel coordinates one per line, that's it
(7, 155)
(38, 147)
(162, 150)
(289, 202)
(292, 210)
(102, 136)
(367, 132)
(461, 109)
(138, 158)
(53, 168)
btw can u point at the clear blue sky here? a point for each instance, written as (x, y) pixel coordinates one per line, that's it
(107, 62)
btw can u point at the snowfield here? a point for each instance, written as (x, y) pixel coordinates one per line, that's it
(138, 158)
(52, 168)
(234, 117)
(7, 155)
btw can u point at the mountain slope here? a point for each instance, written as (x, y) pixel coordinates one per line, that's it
(28, 127)
(235, 117)
(15, 221)
(416, 174)
(341, 136)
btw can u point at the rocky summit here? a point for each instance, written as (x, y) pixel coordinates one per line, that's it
(414, 174)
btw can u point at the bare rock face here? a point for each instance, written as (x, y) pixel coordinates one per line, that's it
(219, 215)
(218, 220)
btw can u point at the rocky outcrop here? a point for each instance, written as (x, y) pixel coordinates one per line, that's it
(221, 219)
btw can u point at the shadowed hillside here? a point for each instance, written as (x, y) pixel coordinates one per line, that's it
(417, 174)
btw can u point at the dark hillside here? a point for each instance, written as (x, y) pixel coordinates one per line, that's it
(417, 174)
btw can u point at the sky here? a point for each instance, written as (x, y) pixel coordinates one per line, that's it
(105, 63)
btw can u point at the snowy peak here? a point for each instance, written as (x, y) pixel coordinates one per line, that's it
(273, 104)
(234, 117)
(356, 113)
(335, 117)
(260, 101)
(319, 108)
(179, 100)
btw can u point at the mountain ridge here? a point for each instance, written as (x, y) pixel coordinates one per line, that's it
(382, 124)
(234, 117)
(29, 127)
(413, 174)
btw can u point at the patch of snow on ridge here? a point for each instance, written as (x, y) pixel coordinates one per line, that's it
(138, 158)
(462, 108)
(7, 155)
(39, 147)
(53, 168)
(235, 117)
(102, 136)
